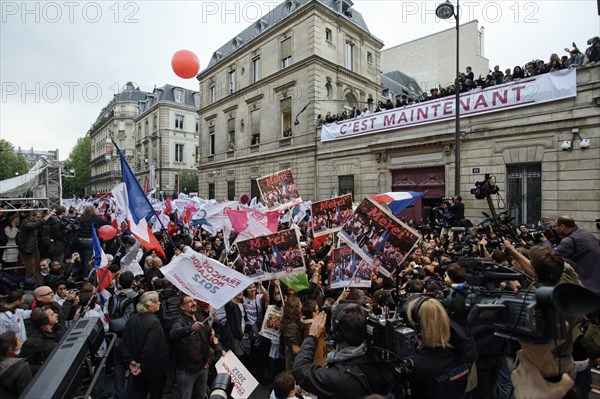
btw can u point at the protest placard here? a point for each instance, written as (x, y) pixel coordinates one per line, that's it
(271, 256)
(349, 269)
(279, 190)
(378, 236)
(204, 278)
(271, 323)
(243, 381)
(329, 215)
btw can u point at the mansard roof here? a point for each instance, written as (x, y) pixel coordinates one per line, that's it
(278, 14)
(166, 95)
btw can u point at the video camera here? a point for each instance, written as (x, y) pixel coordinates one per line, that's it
(486, 187)
(528, 316)
(387, 335)
(392, 339)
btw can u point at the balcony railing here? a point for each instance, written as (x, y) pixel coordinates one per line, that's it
(99, 124)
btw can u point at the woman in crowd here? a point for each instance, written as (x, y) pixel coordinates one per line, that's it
(15, 373)
(291, 330)
(518, 73)
(440, 370)
(11, 254)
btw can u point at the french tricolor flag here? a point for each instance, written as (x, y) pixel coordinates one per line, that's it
(100, 262)
(397, 201)
(139, 210)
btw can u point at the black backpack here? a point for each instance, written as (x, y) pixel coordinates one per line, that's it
(117, 306)
(169, 312)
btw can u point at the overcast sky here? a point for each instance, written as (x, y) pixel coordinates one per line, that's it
(61, 62)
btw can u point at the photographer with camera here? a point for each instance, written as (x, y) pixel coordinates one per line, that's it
(58, 229)
(353, 371)
(440, 370)
(447, 218)
(581, 247)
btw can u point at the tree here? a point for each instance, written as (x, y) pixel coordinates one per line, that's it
(79, 161)
(11, 164)
(189, 182)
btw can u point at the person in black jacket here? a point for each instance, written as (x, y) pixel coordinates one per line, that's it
(191, 346)
(144, 348)
(352, 372)
(88, 219)
(28, 243)
(42, 341)
(439, 369)
(58, 230)
(458, 210)
(15, 373)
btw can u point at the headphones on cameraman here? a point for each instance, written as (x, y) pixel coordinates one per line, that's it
(39, 316)
(336, 332)
(412, 311)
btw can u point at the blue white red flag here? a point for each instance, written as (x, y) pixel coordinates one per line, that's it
(100, 262)
(139, 210)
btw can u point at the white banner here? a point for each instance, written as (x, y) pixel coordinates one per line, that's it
(535, 90)
(244, 382)
(204, 278)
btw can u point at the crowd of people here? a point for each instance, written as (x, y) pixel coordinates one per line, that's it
(169, 342)
(467, 81)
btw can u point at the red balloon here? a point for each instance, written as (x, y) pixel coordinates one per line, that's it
(107, 232)
(185, 64)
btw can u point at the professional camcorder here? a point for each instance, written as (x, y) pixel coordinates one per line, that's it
(393, 339)
(484, 188)
(528, 316)
(388, 336)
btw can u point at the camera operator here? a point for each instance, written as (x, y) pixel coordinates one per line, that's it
(447, 218)
(57, 226)
(524, 236)
(545, 231)
(550, 269)
(439, 368)
(490, 348)
(581, 247)
(458, 210)
(352, 371)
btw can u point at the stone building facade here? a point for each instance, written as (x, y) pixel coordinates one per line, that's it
(167, 131)
(304, 58)
(115, 121)
(521, 148)
(156, 131)
(307, 57)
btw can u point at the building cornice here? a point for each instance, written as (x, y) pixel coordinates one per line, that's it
(280, 75)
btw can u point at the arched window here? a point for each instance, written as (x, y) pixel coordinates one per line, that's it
(351, 100)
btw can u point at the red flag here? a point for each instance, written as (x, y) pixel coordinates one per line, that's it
(103, 283)
(147, 238)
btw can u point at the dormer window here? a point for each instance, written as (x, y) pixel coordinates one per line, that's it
(178, 96)
(260, 25)
(237, 42)
(217, 55)
(291, 5)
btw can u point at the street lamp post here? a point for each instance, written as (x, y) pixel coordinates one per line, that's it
(445, 11)
(155, 136)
